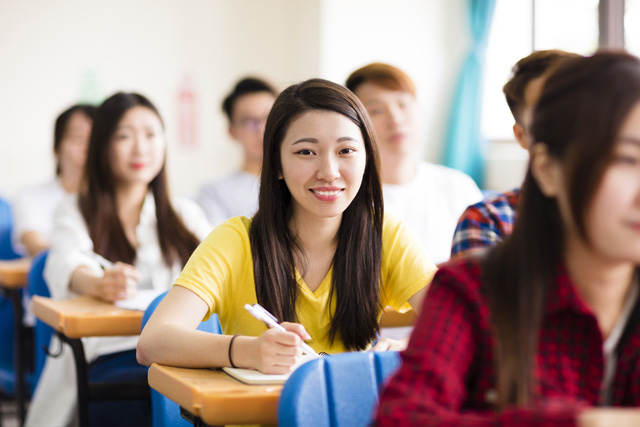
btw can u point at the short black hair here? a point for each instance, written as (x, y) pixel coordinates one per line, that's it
(529, 68)
(246, 86)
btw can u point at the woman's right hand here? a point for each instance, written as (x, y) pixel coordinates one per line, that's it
(119, 282)
(618, 417)
(278, 352)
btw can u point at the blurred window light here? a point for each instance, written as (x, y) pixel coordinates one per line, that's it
(631, 27)
(521, 26)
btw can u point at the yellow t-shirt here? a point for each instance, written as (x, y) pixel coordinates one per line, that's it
(220, 271)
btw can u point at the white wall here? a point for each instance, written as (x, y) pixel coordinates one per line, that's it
(424, 38)
(55, 53)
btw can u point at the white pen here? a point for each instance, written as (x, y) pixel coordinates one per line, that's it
(269, 319)
(104, 263)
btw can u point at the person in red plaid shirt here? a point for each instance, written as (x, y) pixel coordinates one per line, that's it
(487, 222)
(544, 329)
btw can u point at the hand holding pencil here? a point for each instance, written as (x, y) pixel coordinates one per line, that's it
(120, 280)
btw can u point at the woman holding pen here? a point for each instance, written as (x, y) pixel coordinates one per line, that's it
(545, 328)
(319, 254)
(143, 238)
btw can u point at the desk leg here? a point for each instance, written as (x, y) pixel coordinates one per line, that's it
(19, 350)
(196, 421)
(82, 377)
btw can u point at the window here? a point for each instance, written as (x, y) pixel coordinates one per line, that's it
(631, 28)
(521, 26)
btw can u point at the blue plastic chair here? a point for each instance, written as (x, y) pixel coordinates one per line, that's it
(42, 333)
(7, 372)
(165, 412)
(6, 225)
(338, 390)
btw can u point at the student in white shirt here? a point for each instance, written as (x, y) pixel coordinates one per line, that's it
(246, 107)
(125, 214)
(429, 198)
(34, 206)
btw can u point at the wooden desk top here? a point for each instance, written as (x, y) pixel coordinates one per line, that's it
(392, 319)
(215, 397)
(13, 273)
(85, 316)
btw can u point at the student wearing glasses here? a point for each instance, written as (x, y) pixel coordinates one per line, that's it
(246, 107)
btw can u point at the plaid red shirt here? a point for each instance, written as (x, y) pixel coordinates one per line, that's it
(486, 223)
(447, 376)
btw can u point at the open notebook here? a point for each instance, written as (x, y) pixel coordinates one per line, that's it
(141, 301)
(253, 377)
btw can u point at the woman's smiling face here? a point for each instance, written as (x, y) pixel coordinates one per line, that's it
(323, 161)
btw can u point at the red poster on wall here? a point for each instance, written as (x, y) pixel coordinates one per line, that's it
(187, 114)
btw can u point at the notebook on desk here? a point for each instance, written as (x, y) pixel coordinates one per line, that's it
(253, 377)
(141, 301)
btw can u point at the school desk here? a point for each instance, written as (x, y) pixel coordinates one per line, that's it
(392, 319)
(13, 278)
(82, 317)
(212, 397)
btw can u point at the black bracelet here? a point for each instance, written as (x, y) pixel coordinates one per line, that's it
(233, 365)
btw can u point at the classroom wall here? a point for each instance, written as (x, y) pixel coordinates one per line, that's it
(56, 53)
(186, 55)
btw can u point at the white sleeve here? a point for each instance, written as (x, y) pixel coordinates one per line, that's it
(69, 243)
(193, 217)
(30, 214)
(211, 202)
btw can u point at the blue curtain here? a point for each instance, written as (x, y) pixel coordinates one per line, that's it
(464, 146)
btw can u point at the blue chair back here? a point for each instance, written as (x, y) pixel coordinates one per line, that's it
(7, 374)
(165, 412)
(6, 226)
(338, 390)
(42, 332)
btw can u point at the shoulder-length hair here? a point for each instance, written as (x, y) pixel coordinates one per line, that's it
(579, 115)
(62, 122)
(356, 263)
(97, 198)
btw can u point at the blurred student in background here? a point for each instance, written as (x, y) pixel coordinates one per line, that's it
(34, 207)
(491, 220)
(126, 215)
(319, 252)
(429, 198)
(246, 107)
(544, 329)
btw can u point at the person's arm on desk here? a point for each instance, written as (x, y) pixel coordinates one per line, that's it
(118, 282)
(170, 337)
(35, 242)
(388, 344)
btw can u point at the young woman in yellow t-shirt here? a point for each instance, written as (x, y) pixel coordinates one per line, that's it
(319, 253)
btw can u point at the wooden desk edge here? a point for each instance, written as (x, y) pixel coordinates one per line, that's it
(13, 273)
(216, 410)
(127, 324)
(392, 319)
(42, 312)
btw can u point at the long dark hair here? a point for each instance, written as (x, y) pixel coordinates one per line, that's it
(97, 199)
(578, 117)
(356, 263)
